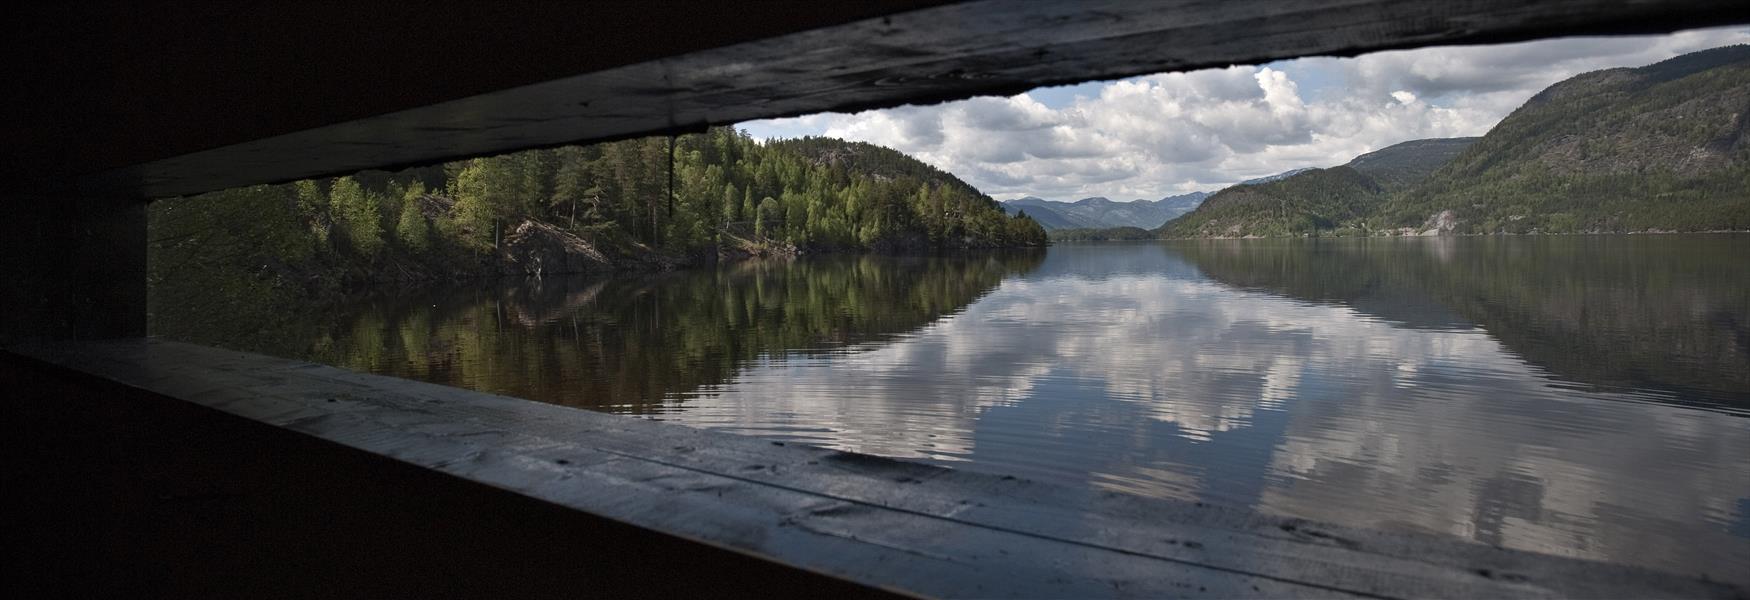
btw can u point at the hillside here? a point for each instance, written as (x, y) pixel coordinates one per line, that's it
(1660, 147)
(1402, 165)
(879, 162)
(1100, 213)
(1277, 177)
(1174, 206)
(1317, 200)
(564, 210)
(1310, 201)
(1665, 147)
(1044, 212)
(1605, 313)
(1107, 234)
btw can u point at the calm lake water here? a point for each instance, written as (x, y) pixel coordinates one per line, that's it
(1585, 396)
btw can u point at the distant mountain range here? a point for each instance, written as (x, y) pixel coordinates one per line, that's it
(1100, 213)
(1665, 147)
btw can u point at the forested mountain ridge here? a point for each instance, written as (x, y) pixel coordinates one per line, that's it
(1277, 177)
(570, 209)
(1664, 147)
(1105, 234)
(1660, 147)
(880, 162)
(1314, 200)
(1603, 312)
(1401, 165)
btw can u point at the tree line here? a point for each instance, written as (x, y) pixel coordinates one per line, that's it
(686, 195)
(680, 200)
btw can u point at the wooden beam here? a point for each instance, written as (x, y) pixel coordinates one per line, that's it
(927, 55)
(896, 525)
(99, 86)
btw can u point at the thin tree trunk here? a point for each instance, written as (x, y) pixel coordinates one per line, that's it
(671, 177)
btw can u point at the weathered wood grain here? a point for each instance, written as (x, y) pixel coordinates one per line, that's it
(928, 55)
(904, 526)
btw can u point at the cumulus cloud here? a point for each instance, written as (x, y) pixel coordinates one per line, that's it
(1157, 135)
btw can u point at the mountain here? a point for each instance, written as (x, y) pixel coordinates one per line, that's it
(1312, 200)
(1661, 147)
(1107, 234)
(1044, 212)
(1309, 201)
(1401, 165)
(862, 158)
(1664, 147)
(1688, 336)
(1174, 206)
(1276, 177)
(571, 209)
(1099, 213)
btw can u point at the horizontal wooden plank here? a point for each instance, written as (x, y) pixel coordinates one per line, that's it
(928, 55)
(98, 86)
(898, 525)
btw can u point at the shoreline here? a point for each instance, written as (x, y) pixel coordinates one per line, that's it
(1443, 235)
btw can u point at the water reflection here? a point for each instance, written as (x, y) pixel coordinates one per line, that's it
(1633, 313)
(641, 344)
(1578, 396)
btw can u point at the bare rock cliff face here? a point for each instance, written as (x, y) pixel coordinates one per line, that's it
(1442, 223)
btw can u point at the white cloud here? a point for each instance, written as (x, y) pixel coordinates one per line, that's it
(1157, 135)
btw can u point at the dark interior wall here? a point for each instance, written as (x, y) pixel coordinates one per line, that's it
(96, 86)
(119, 493)
(174, 98)
(72, 268)
(84, 79)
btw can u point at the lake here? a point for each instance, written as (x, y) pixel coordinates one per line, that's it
(1585, 396)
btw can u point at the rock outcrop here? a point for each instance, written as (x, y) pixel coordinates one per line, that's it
(1442, 223)
(535, 248)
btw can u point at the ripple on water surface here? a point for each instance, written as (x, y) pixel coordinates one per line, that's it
(1583, 396)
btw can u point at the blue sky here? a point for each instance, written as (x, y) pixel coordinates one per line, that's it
(1159, 135)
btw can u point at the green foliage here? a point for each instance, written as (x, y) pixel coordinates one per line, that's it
(482, 191)
(1664, 147)
(322, 236)
(230, 261)
(355, 212)
(810, 193)
(1661, 147)
(1109, 234)
(412, 230)
(1405, 164)
(768, 218)
(1309, 203)
(312, 205)
(630, 342)
(1022, 230)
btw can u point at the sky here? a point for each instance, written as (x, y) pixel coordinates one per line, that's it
(1160, 135)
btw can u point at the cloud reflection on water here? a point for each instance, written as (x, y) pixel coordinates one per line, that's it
(1143, 375)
